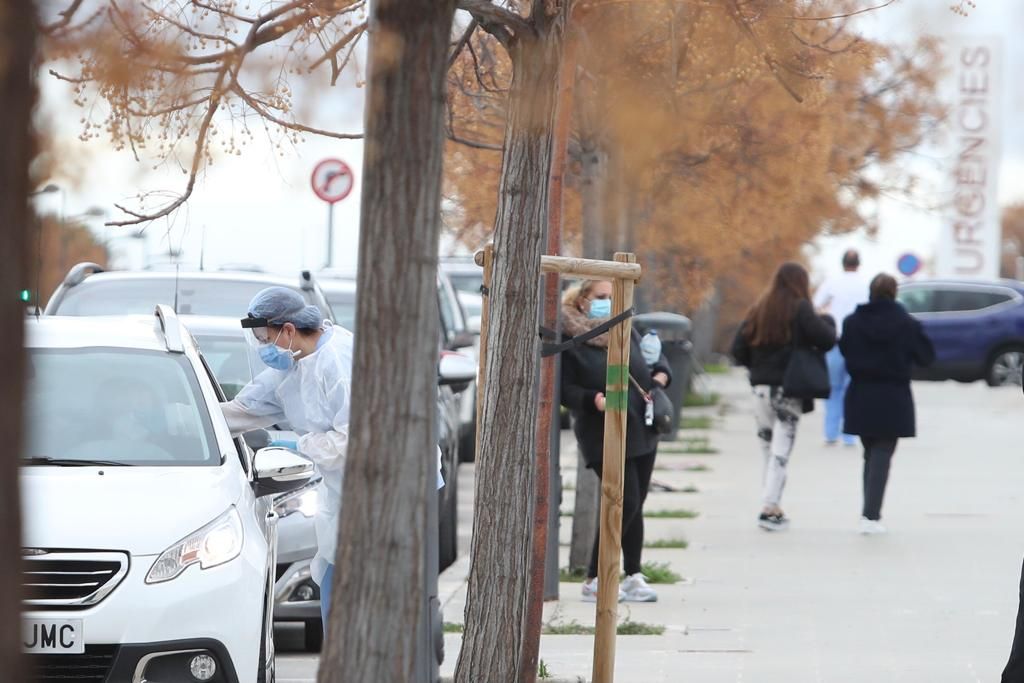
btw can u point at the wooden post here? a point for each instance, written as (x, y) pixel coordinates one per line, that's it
(613, 468)
(484, 258)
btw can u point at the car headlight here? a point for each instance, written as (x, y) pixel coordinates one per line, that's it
(218, 542)
(306, 503)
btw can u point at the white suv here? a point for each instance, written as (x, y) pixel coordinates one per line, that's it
(150, 534)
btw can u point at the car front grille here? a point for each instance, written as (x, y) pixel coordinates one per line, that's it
(71, 580)
(91, 667)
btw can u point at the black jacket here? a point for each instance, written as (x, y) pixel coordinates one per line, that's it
(767, 363)
(584, 375)
(881, 343)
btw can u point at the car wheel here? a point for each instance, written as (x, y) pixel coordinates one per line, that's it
(448, 534)
(314, 635)
(1006, 367)
(467, 446)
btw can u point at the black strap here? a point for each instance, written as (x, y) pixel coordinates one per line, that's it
(550, 349)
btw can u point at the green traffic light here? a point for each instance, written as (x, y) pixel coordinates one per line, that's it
(26, 295)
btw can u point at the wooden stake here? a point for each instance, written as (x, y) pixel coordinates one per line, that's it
(613, 470)
(485, 258)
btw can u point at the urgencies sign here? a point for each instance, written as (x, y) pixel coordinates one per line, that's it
(972, 234)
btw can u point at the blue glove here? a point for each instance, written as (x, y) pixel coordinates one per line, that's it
(293, 445)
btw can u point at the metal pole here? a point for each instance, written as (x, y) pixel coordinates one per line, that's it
(330, 234)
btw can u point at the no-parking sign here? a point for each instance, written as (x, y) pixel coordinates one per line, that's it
(908, 264)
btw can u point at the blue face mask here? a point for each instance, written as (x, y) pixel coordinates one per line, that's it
(600, 308)
(275, 357)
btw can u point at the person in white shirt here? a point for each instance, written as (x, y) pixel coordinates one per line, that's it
(839, 296)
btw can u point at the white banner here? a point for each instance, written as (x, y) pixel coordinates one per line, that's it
(971, 232)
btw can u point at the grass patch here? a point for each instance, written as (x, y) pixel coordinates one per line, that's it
(566, 575)
(678, 543)
(568, 486)
(697, 468)
(450, 627)
(692, 445)
(626, 628)
(542, 670)
(681, 513)
(565, 513)
(700, 422)
(659, 572)
(716, 369)
(690, 488)
(702, 400)
(637, 628)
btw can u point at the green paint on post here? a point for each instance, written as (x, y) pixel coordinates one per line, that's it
(616, 401)
(618, 375)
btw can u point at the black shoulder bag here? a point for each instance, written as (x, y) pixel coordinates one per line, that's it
(659, 407)
(806, 373)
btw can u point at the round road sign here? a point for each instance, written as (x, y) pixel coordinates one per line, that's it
(908, 264)
(332, 180)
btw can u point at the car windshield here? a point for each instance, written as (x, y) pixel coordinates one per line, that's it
(116, 406)
(125, 296)
(344, 306)
(228, 358)
(467, 282)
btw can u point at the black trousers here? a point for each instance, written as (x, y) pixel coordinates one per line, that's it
(635, 483)
(878, 453)
(1014, 671)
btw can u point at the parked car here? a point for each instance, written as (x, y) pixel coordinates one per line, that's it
(297, 597)
(468, 279)
(89, 290)
(455, 336)
(150, 534)
(977, 328)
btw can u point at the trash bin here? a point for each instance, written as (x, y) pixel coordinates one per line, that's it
(675, 332)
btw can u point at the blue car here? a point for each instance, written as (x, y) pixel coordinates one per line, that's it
(977, 328)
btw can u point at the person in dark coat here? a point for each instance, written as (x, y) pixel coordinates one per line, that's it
(584, 377)
(881, 343)
(782, 318)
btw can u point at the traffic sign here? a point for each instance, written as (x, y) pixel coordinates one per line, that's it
(332, 180)
(908, 264)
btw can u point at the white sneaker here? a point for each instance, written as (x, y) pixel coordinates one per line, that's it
(637, 590)
(589, 591)
(871, 527)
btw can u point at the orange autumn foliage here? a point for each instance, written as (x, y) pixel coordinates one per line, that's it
(730, 136)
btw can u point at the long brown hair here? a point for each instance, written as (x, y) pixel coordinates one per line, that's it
(770, 320)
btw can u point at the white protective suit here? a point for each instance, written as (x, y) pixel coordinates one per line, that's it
(313, 397)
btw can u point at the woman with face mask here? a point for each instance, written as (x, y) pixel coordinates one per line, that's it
(584, 376)
(307, 384)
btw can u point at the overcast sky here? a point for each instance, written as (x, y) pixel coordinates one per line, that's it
(259, 208)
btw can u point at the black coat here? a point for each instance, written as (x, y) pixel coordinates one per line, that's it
(584, 375)
(767, 363)
(881, 343)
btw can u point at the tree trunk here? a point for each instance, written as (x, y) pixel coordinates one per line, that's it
(375, 606)
(17, 92)
(587, 499)
(501, 556)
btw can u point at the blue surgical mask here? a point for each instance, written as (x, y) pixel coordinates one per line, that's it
(600, 308)
(275, 357)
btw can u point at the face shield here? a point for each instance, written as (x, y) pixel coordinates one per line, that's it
(257, 332)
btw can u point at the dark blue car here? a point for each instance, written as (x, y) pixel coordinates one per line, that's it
(977, 328)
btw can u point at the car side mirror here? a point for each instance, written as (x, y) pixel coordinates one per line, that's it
(279, 470)
(456, 371)
(462, 340)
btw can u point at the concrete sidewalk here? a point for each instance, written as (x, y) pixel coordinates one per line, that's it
(934, 600)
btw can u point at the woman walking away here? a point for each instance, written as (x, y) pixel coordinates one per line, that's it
(881, 343)
(781, 320)
(584, 376)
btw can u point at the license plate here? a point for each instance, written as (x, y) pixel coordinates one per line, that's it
(53, 636)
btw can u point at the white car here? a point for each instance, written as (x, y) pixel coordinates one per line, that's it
(150, 534)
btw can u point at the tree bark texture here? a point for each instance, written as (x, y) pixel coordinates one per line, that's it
(501, 555)
(377, 600)
(17, 93)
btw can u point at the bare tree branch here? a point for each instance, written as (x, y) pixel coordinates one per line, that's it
(265, 113)
(352, 35)
(463, 41)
